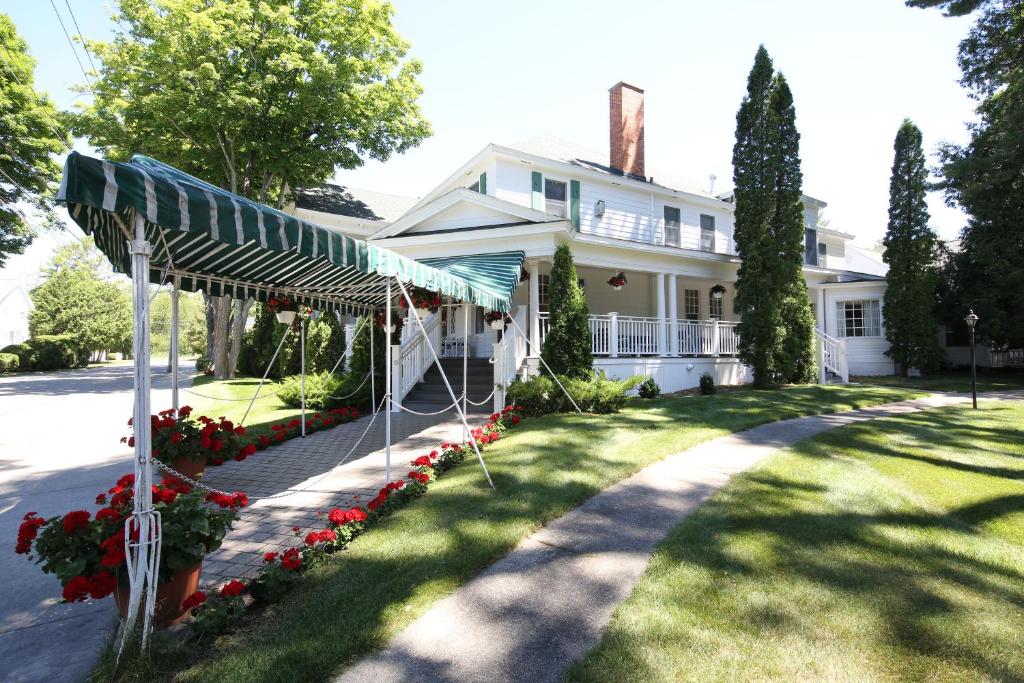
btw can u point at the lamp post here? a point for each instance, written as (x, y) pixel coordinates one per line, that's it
(971, 321)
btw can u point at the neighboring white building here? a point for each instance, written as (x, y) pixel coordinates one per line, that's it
(673, 241)
(15, 305)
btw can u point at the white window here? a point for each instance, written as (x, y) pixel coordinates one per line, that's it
(672, 226)
(715, 306)
(859, 318)
(707, 233)
(691, 304)
(555, 197)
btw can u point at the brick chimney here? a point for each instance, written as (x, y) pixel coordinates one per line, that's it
(626, 127)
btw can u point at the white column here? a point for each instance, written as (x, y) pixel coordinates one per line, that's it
(613, 335)
(396, 377)
(465, 363)
(387, 383)
(673, 317)
(373, 371)
(534, 307)
(175, 323)
(302, 370)
(659, 290)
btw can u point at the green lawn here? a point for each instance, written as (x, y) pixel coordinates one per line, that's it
(889, 550)
(267, 409)
(994, 380)
(545, 467)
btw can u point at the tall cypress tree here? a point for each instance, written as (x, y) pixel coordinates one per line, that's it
(754, 177)
(796, 361)
(567, 348)
(910, 250)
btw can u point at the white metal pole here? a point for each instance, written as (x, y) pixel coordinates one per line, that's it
(373, 373)
(142, 553)
(266, 372)
(302, 365)
(451, 392)
(175, 322)
(465, 362)
(387, 384)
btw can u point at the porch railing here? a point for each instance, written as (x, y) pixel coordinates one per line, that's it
(1008, 358)
(615, 335)
(831, 357)
(415, 358)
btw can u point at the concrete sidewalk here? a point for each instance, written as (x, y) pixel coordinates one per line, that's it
(532, 614)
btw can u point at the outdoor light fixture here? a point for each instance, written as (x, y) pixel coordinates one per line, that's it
(971, 321)
(599, 208)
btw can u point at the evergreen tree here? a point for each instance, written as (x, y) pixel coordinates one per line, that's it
(360, 361)
(260, 342)
(757, 302)
(910, 250)
(325, 343)
(567, 348)
(796, 362)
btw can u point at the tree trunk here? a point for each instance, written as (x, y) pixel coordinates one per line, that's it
(237, 330)
(208, 308)
(221, 314)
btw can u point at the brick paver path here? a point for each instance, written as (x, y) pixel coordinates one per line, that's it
(300, 465)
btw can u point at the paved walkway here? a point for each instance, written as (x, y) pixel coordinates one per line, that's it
(543, 606)
(292, 476)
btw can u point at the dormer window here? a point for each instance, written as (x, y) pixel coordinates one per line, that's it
(555, 197)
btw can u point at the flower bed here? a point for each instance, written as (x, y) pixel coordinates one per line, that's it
(215, 613)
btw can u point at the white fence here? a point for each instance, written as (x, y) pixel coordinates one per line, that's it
(616, 335)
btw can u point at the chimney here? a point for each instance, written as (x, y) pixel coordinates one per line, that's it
(626, 127)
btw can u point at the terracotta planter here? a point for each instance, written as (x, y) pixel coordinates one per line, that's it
(169, 596)
(286, 317)
(188, 467)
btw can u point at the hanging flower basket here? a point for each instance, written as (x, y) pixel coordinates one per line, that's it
(496, 320)
(423, 300)
(718, 291)
(617, 282)
(284, 308)
(524, 275)
(396, 322)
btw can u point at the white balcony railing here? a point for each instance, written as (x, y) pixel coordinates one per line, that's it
(622, 335)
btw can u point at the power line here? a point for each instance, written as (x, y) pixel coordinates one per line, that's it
(71, 43)
(81, 35)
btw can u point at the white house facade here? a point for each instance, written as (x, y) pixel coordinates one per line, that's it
(674, 318)
(15, 305)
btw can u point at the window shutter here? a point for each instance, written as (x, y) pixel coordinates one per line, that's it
(537, 197)
(483, 183)
(574, 203)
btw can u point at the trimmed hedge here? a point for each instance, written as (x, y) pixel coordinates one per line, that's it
(50, 352)
(9, 362)
(541, 395)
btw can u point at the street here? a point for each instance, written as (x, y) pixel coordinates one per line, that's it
(59, 447)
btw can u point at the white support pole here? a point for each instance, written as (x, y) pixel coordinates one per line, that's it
(534, 304)
(302, 370)
(387, 384)
(373, 372)
(465, 362)
(673, 317)
(266, 372)
(143, 553)
(451, 392)
(175, 322)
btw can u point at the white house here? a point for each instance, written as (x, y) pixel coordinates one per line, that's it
(672, 240)
(15, 305)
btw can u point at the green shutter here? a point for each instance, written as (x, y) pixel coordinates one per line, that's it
(574, 203)
(483, 183)
(537, 199)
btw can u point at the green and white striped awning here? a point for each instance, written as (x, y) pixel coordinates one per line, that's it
(221, 243)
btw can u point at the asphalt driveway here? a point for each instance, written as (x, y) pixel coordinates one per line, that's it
(59, 446)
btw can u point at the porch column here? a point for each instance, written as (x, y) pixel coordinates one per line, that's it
(821, 310)
(613, 335)
(659, 288)
(673, 317)
(534, 271)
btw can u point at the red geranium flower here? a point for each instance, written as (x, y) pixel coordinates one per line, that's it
(73, 521)
(291, 559)
(193, 601)
(232, 588)
(102, 584)
(77, 588)
(269, 557)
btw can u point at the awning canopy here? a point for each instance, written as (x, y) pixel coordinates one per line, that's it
(221, 243)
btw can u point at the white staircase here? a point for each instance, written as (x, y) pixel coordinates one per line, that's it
(832, 365)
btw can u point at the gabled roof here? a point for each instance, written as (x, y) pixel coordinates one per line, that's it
(349, 201)
(494, 212)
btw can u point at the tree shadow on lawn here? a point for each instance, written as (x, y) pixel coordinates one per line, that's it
(925, 575)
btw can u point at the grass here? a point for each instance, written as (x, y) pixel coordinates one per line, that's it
(952, 380)
(888, 550)
(268, 408)
(393, 574)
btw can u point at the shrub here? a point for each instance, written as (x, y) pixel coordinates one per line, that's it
(707, 384)
(203, 363)
(9, 362)
(320, 387)
(541, 395)
(649, 388)
(354, 389)
(50, 352)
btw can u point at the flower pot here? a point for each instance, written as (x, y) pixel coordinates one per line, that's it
(188, 467)
(169, 596)
(497, 325)
(286, 317)
(392, 327)
(617, 288)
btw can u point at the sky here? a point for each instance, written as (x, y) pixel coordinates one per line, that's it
(506, 71)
